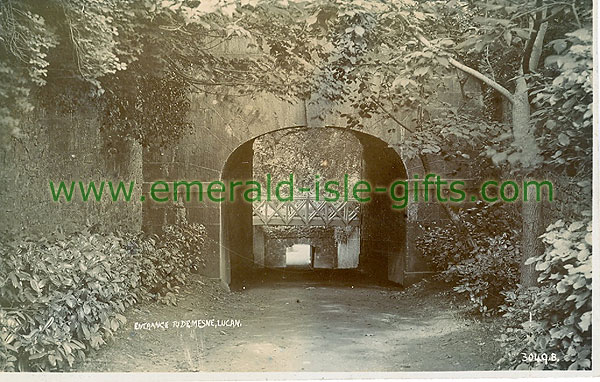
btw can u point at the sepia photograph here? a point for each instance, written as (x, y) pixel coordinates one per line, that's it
(293, 189)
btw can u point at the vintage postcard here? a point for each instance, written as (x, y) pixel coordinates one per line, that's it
(292, 189)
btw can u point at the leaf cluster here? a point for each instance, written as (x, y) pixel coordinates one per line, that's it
(556, 316)
(62, 296)
(481, 272)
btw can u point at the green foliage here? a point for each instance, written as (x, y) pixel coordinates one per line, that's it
(146, 107)
(62, 296)
(502, 45)
(23, 38)
(93, 32)
(14, 101)
(338, 153)
(565, 104)
(188, 239)
(481, 272)
(66, 295)
(100, 32)
(167, 259)
(366, 54)
(461, 139)
(174, 47)
(489, 270)
(556, 316)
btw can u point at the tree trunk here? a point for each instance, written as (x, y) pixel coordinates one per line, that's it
(522, 128)
(524, 136)
(531, 211)
(531, 244)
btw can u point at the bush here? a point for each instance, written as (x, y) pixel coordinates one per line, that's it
(62, 296)
(167, 259)
(554, 318)
(482, 272)
(490, 269)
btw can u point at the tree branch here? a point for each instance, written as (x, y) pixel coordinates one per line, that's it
(480, 76)
(532, 38)
(393, 117)
(538, 44)
(575, 14)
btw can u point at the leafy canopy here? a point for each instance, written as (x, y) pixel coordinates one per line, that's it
(374, 57)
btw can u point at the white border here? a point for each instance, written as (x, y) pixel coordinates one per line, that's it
(491, 376)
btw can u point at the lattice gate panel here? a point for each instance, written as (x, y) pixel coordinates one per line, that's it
(306, 211)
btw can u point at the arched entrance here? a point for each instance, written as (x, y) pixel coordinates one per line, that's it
(383, 239)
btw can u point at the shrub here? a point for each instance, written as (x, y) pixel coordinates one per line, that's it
(62, 296)
(487, 272)
(167, 259)
(555, 317)
(188, 241)
(481, 272)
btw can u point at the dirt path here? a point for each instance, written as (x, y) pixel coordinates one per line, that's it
(300, 326)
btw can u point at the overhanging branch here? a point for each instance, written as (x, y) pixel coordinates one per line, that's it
(480, 76)
(393, 117)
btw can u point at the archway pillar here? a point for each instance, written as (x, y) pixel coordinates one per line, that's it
(236, 229)
(414, 266)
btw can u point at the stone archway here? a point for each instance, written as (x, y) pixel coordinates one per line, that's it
(385, 246)
(220, 146)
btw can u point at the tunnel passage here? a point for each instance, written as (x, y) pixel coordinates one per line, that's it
(383, 228)
(375, 246)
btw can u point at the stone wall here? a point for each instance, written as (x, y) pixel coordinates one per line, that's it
(218, 128)
(66, 147)
(62, 146)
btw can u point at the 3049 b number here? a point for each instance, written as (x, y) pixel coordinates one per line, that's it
(542, 357)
